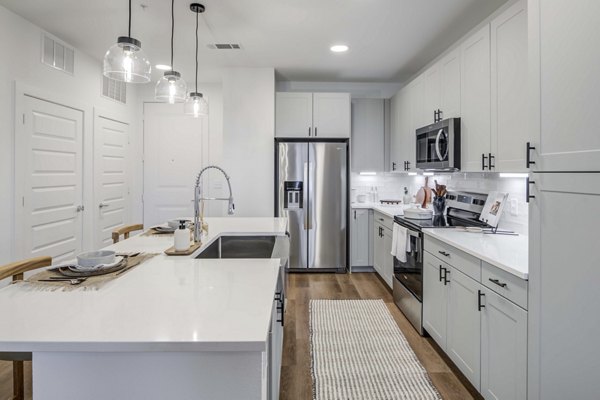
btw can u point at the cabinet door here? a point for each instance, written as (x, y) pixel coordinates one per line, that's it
(475, 99)
(395, 134)
(293, 114)
(432, 89)
(378, 248)
(464, 325)
(331, 115)
(563, 287)
(360, 234)
(450, 85)
(367, 135)
(503, 349)
(388, 259)
(435, 299)
(509, 129)
(564, 65)
(418, 114)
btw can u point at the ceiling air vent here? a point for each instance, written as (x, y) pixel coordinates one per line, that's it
(57, 55)
(114, 89)
(224, 46)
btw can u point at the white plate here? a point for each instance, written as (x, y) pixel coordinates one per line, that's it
(79, 268)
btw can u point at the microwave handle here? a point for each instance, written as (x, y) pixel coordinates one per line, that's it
(437, 146)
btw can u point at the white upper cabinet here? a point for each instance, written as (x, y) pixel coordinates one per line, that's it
(432, 99)
(402, 153)
(449, 68)
(322, 115)
(475, 101)
(509, 111)
(293, 114)
(565, 61)
(331, 115)
(367, 135)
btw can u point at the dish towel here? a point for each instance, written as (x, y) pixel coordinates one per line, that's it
(399, 242)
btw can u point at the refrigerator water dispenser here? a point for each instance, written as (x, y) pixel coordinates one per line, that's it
(293, 194)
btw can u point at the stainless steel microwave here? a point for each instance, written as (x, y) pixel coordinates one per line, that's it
(438, 146)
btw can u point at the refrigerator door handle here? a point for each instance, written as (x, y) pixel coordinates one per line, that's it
(306, 199)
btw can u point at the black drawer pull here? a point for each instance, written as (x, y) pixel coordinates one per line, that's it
(444, 253)
(441, 277)
(479, 296)
(446, 280)
(497, 282)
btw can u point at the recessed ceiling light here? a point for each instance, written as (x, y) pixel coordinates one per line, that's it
(339, 48)
(163, 67)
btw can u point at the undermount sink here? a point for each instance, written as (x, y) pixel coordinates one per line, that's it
(240, 247)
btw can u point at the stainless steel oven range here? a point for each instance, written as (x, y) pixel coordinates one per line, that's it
(463, 209)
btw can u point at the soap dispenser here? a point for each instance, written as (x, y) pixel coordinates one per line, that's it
(182, 237)
(407, 199)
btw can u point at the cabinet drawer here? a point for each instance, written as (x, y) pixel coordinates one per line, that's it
(505, 284)
(465, 263)
(384, 220)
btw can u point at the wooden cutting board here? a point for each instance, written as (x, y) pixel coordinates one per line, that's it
(172, 252)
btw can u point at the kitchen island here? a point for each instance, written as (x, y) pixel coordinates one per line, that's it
(172, 327)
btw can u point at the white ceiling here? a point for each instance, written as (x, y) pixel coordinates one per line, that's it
(389, 40)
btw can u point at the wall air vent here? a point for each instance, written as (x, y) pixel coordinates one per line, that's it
(224, 46)
(114, 89)
(57, 54)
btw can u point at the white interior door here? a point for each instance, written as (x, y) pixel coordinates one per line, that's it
(48, 184)
(111, 191)
(172, 159)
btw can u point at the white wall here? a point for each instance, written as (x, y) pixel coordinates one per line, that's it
(248, 138)
(20, 47)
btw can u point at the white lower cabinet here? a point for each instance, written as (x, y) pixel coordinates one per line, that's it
(464, 325)
(275, 344)
(482, 332)
(361, 238)
(503, 349)
(435, 299)
(383, 261)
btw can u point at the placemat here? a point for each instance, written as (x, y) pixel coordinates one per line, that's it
(91, 282)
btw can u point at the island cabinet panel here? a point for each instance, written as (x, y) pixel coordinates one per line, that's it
(464, 337)
(503, 349)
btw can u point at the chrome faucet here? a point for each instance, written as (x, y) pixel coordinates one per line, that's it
(198, 197)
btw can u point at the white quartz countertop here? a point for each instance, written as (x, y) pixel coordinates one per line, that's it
(166, 304)
(509, 253)
(389, 210)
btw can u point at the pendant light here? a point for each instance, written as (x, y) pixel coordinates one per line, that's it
(171, 88)
(196, 104)
(126, 61)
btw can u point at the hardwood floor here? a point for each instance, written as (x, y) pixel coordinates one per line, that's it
(296, 380)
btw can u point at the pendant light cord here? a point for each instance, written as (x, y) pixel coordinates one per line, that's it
(129, 34)
(172, 30)
(197, 52)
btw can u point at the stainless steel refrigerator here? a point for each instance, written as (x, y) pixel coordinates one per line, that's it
(312, 192)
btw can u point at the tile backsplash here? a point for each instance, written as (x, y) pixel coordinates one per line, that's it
(391, 186)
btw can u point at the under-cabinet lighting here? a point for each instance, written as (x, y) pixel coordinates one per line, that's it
(368, 173)
(427, 173)
(513, 175)
(412, 174)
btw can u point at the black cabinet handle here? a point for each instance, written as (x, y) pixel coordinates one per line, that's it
(309, 131)
(444, 253)
(446, 280)
(528, 161)
(354, 214)
(483, 158)
(408, 166)
(393, 166)
(491, 158)
(497, 282)
(479, 296)
(527, 195)
(315, 131)
(441, 276)
(279, 298)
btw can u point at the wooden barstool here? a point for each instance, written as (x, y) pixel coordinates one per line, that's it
(125, 231)
(16, 270)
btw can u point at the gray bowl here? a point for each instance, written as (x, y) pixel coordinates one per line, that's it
(93, 258)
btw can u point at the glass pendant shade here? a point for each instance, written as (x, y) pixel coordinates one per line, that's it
(171, 88)
(196, 105)
(126, 61)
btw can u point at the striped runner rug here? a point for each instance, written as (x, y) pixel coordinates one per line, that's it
(359, 353)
